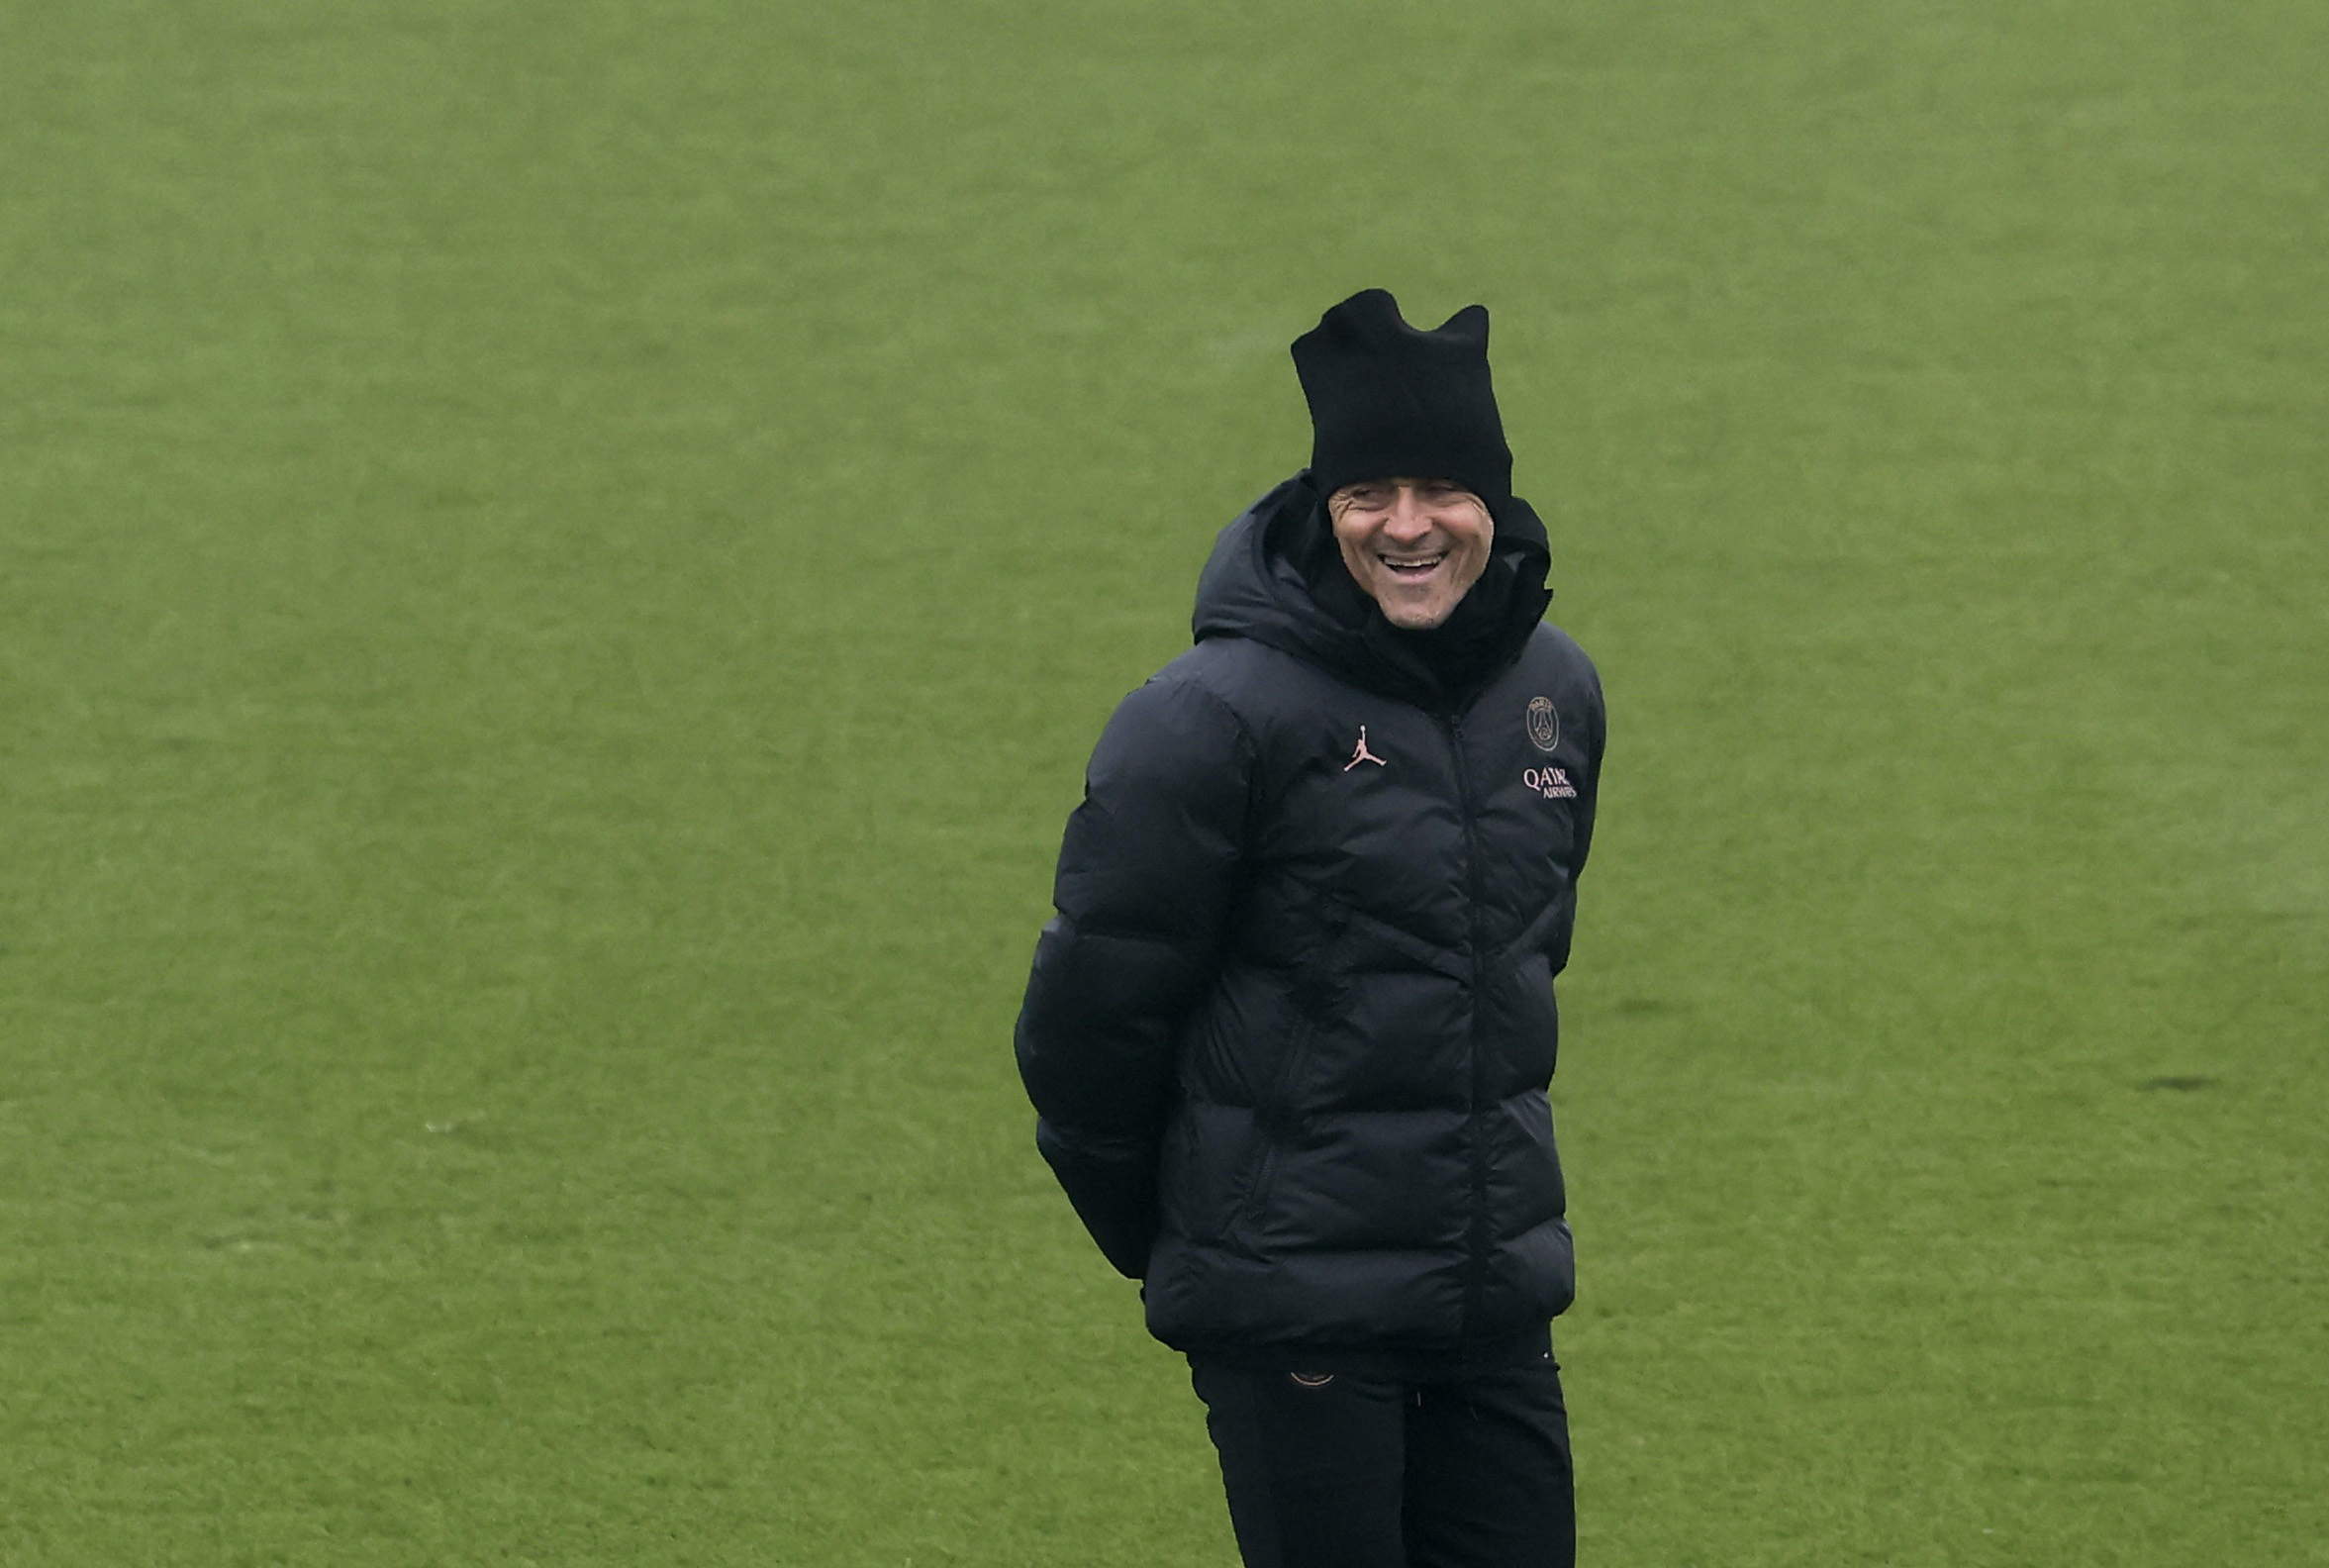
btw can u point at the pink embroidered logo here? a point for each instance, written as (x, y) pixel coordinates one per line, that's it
(1552, 782)
(1362, 754)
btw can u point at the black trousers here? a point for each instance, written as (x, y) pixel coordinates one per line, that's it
(1365, 1472)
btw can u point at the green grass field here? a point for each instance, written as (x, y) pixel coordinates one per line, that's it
(558, 565)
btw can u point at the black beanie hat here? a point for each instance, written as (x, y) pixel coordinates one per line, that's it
(1387, 399)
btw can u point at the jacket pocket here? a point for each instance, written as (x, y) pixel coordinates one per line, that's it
(1274, 1124)
(1312, 994)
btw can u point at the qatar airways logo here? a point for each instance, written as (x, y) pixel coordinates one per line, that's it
(1550, 782)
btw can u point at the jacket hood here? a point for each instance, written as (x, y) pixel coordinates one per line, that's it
(1272, 578)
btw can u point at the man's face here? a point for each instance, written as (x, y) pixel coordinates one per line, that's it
(1416, 546)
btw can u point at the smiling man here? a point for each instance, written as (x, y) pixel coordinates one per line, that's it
(1289, 1036)
(1415, 546)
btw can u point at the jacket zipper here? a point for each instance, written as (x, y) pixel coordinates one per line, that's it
(1477, 1241)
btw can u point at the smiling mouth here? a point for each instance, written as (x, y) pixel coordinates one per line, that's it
(1411, 568)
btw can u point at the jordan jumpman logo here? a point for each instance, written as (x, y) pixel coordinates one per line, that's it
(1362, 754)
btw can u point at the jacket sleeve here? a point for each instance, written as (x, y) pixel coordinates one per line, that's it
(1590, 802)
(1147, 874)
(1595, 723)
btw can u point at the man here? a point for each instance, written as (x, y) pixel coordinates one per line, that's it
(1289, 1035)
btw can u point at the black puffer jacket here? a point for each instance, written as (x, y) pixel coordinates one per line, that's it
(1290, 1032)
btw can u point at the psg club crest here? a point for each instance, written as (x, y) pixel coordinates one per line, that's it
(1544, 723)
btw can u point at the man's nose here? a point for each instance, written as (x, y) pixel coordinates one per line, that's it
(1410, 519)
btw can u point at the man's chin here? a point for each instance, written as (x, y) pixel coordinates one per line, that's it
(1415, 616)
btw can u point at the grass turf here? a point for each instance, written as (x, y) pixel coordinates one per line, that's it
(559, 564)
